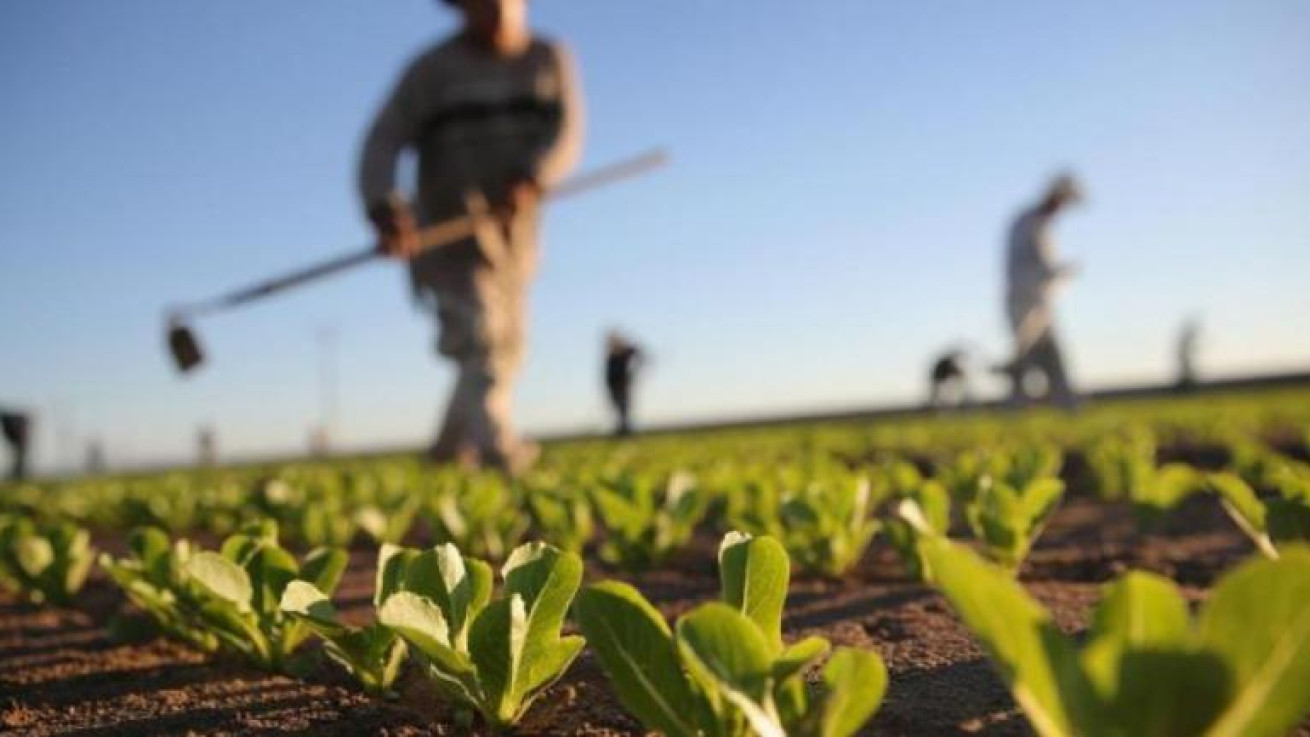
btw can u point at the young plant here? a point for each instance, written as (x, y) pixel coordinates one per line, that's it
(1007, 520)
(372, 654)
(154, 578)
(829, 524)
(478, 514)
(1242, 668)
(561, 518)
(495, 657)
(725, 671)
(388, 523)
(925, 510)
(648, 516)
(1271, 522)
(241, 588)
(46, 562)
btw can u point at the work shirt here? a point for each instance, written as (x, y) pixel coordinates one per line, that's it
(1032, 275)
(479, 121)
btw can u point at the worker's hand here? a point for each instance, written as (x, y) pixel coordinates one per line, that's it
(397, 229)
(524, 195)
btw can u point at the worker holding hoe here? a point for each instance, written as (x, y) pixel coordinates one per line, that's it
(1033, 276)
(495, 116)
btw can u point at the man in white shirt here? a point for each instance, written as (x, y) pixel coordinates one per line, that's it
(1033, 276)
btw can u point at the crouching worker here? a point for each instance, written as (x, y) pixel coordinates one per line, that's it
(494, 115)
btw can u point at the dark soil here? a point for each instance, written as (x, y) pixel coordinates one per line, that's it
(61, 674)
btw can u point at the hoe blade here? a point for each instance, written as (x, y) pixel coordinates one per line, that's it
(184, 348)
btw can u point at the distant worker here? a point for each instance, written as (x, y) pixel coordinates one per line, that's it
(1188, 343)
(948, 381)
(495, 116)
(622, 359)
(95, 458)
(206, 446)
(16, 426)
(1032, 278)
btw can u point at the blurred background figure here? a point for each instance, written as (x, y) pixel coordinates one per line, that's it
(948, 380)
(1188, 345)
(494, 113)
(206, 446)
(95, 458)
(16, 427)
(622, 361)
(1033, 276)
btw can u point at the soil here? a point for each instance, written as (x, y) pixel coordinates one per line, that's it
(61, 674)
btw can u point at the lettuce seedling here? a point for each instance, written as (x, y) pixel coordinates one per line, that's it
(242, 586)
(1242, 668)
(648, 516)
(1007, 520)
(1271, 522)
(372, 654)
(560, 517)
(46, 562)
(478, 513)
(924, 510)
(725, 670)
(153, 577)
(495, 657)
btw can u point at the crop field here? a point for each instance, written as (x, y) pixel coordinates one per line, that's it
(1139, 569)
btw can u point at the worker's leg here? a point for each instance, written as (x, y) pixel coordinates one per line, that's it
(458, 311)
(1047, 356)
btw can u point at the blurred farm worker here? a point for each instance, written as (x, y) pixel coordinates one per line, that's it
(17, 430)
(494, 114)
(1033, 276)
(1188, 342)
(622, 360)
(948, 382)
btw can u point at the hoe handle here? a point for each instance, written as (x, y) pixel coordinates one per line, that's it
(433, 236)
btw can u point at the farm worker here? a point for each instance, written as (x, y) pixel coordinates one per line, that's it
(16, 427)
(1188, 341)
(622, 359)
(495, 116)
(1032, 278)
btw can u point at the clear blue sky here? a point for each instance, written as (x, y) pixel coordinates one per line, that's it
(844, 173)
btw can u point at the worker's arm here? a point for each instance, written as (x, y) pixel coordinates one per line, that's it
(393, 130)
(562, 147)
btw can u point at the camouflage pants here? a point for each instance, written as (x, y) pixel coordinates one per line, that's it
(481, 306)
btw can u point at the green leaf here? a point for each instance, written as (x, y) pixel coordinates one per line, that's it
(854, 682)
(797, 657)
(270, 569)
(324, 567)
(1258, 621)
(1029, 653)
(727, 655)
(635, 647)
(1143, 610)
(222, 579)
(753, 574)
(393, 562)
(35, 554)
(305, 601)
(546, 578)
(496, 642)
(1244, 507)
(420, 622)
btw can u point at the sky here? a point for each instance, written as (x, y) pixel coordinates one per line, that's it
(843, 174)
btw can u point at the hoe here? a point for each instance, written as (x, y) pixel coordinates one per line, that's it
(185, 348)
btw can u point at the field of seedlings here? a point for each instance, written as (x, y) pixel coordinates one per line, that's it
(1140, 569)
